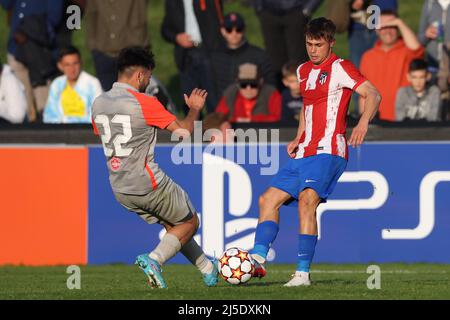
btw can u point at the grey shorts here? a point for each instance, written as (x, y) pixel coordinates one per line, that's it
(168, 204)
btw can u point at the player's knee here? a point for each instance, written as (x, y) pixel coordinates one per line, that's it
(261, 201)
(265, 203)
(308, 200)
(268, 209)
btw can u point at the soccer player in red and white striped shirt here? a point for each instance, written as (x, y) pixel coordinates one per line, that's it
(319, 152)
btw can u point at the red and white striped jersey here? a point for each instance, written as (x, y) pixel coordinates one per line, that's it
(326, 90)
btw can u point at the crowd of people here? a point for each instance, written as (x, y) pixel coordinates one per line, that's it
(42, 79)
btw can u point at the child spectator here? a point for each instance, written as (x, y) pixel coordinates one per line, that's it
(292, 102)
(418, 101)
(250, 99)
(72, 94)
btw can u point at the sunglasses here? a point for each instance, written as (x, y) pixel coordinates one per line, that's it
(251, 84)
(238, 30)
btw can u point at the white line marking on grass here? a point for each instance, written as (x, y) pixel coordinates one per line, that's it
(361, 272)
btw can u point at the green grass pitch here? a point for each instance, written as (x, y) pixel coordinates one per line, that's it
(398, 281)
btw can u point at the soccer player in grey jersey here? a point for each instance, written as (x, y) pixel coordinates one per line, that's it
(126, 119)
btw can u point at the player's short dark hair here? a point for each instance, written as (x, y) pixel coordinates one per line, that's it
(321, 28)
(135, 57)
(289, 69)
(389, 12)
(65, 51)
(418, 65)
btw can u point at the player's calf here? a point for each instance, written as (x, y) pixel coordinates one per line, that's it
(266, 233)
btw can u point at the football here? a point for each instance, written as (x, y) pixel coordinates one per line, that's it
(236, 266)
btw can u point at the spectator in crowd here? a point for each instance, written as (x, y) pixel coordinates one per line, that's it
(13, 103)
(292, 102)
(31, 41)
(63, 33)
(249, 99)
(444, 82)
(72, 94)
(283, 23)
(238, 50)
(193, 26)
(111, 26)
(386, 64)
(351, 16)
(217, 128)
(360, 37)
(418, 101)
(434, 34)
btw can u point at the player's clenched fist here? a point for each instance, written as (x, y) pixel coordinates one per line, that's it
(196, 100)
(292, 148)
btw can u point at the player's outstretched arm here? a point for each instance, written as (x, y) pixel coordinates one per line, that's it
(372, 102)
(195, 103)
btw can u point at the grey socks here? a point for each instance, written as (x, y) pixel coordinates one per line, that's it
(195, 255)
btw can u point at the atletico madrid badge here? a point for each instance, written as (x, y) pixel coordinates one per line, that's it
(323, 78)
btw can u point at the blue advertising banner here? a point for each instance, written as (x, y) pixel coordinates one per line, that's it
(391, 205)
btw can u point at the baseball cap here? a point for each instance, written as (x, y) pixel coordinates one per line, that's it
(233, 20)
(248, 71)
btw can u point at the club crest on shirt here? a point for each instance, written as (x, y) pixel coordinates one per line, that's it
(323, 78)
(115, 164)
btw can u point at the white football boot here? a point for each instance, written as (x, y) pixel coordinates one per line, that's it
(299, 279)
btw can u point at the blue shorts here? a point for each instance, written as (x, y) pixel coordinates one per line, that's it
(320, 173)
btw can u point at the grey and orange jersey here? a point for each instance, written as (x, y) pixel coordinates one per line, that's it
(127, 120)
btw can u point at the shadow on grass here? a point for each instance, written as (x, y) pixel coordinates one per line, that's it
(327, 282)
(335, 282)
(265, 284)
